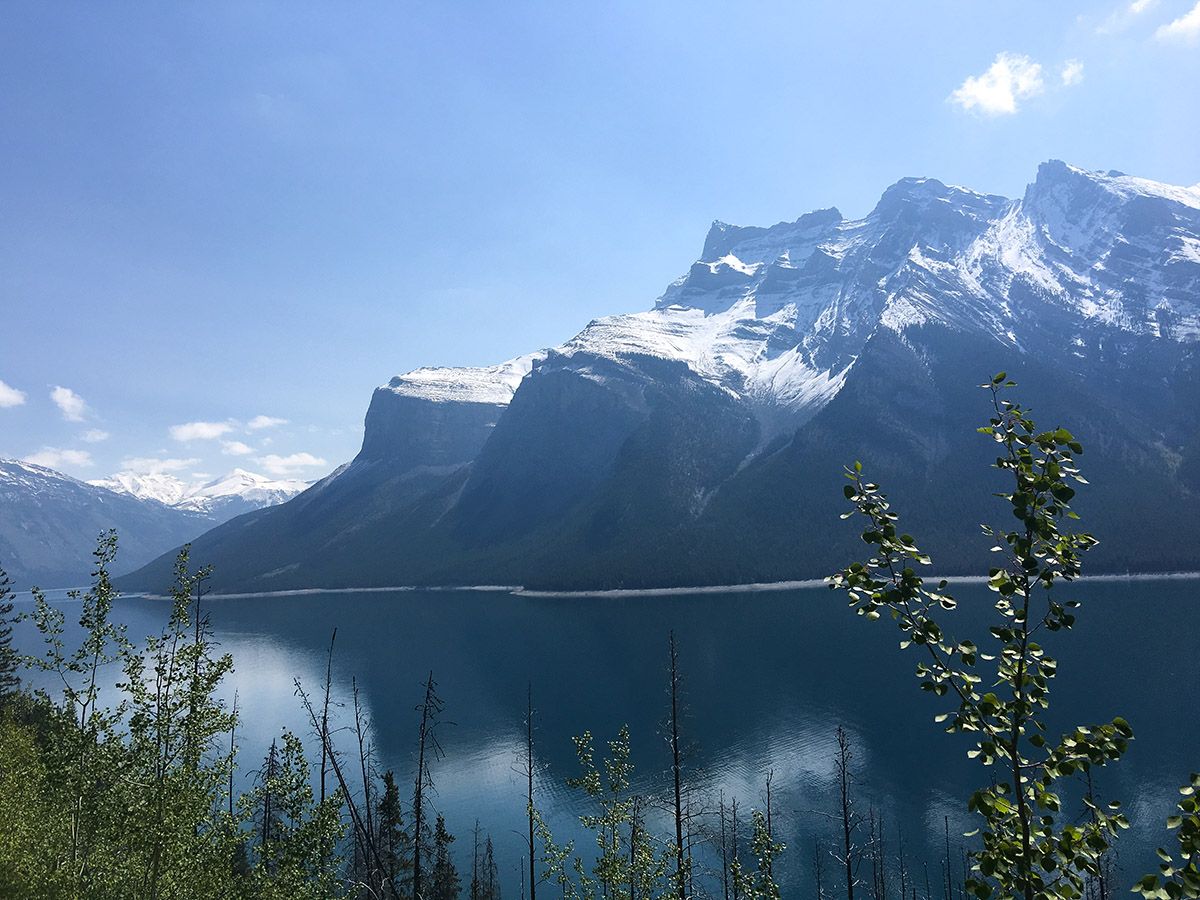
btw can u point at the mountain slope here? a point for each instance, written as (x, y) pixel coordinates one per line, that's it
(702, 441)
(50, 521)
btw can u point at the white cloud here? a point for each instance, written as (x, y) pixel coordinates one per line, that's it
(260, 422)
(154, 465)
(56, 458)
(95, 435)
(69, 403)
(1072, 72)
(1124, 17)
(201, 476)
(1186, 28)
(200, 431)
(1010, 79)
(236, 448)
(10, 396)
(287, 465)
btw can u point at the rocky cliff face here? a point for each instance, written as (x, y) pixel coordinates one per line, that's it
(701, 441)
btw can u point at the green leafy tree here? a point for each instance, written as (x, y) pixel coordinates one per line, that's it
(1179, 879)
(179, 836)
(293, 833)
(83, 750)
(759, 883)
(626, 866)
(1027, 850)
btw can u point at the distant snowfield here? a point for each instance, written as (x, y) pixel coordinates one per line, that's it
(756, 587)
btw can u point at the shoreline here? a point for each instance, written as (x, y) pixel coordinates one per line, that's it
(616, 593)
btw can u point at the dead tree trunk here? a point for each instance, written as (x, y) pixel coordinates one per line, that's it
(680, 867)
(325, 714)
(846, 801)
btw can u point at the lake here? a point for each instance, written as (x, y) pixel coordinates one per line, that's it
(768, 677)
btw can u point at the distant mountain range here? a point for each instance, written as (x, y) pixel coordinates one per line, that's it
(49, 521)
(701, 441)
(221, 499)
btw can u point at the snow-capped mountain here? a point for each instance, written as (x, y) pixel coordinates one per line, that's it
(160, 487)
(221, 499)
(49, 523)
(700, 440)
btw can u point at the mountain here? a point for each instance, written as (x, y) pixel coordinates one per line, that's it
(701, 441)
(219, 500)
(50, 522)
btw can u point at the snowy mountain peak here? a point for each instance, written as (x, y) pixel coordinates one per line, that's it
(1057, 179)
(235, 492)
(479, 384)
(778, 315)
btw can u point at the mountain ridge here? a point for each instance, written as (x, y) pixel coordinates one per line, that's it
(652, 448)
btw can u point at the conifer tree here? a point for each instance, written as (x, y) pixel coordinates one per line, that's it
(446, 885)
(489, 873)
(394, 843)
(8, 657)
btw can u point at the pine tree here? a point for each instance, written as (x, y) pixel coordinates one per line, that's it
(446, 883)
(394, 842)
(489, 875)
(8, 657)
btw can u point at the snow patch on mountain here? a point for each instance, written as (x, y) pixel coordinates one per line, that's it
(483, 384)
(777, 315)
(247, 490)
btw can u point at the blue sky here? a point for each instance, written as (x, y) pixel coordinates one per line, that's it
(216, 215)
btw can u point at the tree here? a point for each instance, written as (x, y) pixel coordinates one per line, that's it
(83, 751)
(681, 867)
(1179, 879)
(446, 885)
(490, 876)
(851, 854)
(395, 846)
(625, 862)
(427, 746)
(8, 657)
(530, 809)
(294, 833)
(1026, 852)
(759, 883)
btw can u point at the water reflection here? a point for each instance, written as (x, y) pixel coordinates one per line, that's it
(768, 677)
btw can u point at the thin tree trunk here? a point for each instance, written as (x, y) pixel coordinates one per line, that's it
(529, 795)
(325, 713)
(680, 869)
(724, 850)
(418, 791)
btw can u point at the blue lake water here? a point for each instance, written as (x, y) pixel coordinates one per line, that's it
(768, 676)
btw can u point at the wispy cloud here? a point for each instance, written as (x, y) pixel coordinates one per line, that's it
(1123, 17)
(260, 422)
(289, 465)
(236, 448)
(69, 403)
(200, 431)
(1071, 72)
(153, 465)
(10, 396)
(1186, 28)
(56, 458)
(95, 436)
(999, 91)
